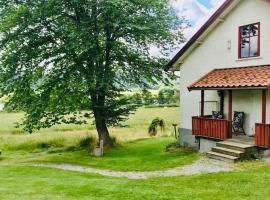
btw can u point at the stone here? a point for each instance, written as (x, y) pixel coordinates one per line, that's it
(99, 151)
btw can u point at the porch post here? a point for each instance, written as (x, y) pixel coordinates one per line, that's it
(264, 106)
(221, 99)
(202, 103)
(230, 106)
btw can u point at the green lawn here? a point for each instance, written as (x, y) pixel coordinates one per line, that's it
(140, 155)
(34, 183)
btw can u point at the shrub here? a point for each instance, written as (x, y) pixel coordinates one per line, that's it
(71, 148)
(176, 147)
(153, 128)
(87, 142)
(114, 140)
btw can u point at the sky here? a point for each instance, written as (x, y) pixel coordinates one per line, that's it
(196, 12)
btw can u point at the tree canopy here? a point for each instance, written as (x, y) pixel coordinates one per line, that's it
(59, 54)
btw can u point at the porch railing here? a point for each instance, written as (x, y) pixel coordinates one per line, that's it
(211, 128)
(262, 135)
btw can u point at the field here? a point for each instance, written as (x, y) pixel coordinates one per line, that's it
(61, 144)
(20, 179)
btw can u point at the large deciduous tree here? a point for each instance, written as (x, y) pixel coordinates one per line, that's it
(59, 54)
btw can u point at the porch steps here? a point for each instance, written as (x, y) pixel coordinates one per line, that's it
(226, 151)
(222, 157)
(232, 151)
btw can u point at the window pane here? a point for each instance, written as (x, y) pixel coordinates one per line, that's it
(245, 48)
(254, 29)
(245, 31)
(254, 51)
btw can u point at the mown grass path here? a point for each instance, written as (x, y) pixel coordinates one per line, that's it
(39, 183)
(198, 167)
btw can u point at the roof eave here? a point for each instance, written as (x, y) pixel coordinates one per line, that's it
(228, 88)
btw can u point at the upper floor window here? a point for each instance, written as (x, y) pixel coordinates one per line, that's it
(249, 41)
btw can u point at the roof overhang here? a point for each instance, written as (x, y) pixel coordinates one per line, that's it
(240, 78)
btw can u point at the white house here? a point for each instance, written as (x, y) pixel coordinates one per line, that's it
(225, 67)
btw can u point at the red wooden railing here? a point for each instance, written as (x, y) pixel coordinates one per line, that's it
(211, 128)
(262, 135)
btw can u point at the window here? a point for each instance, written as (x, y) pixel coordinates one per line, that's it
(249, 41)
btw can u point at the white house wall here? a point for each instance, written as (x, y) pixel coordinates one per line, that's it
(214, 53)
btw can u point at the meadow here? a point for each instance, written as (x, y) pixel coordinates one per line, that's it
(134, 150)
(135, 127)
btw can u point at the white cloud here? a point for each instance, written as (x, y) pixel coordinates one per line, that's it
(196, 13)
(191, 9)
(216, 3)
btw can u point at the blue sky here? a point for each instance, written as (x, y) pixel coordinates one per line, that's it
(206, 3)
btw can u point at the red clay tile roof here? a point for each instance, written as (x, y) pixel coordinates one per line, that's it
(242, 77)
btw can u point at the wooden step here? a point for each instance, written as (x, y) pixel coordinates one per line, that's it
(242, 141)
(229, 152)
(235, 146)
(222, 157)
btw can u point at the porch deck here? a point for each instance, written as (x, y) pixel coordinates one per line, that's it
(242, 139)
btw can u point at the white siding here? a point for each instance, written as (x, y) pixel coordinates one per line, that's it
(214, 53)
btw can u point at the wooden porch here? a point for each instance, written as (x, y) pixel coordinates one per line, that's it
(229, 80)
(221, 129)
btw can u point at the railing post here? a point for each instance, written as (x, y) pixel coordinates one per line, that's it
(202, 103)
(230, 106)
(230, 113)
(263, 106)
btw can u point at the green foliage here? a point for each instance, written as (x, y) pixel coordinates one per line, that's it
(114, 141)
(59, 56)
(153, 128)
(167, 96)
(87, 143)
(148, 97)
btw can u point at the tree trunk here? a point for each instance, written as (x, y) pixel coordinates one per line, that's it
(103, 132)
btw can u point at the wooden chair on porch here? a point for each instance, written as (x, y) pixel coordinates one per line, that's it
(238, 123)
(217, 115)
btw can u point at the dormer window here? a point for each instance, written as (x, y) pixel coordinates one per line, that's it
(249, 41)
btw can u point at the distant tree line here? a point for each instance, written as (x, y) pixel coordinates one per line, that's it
(165, 97)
